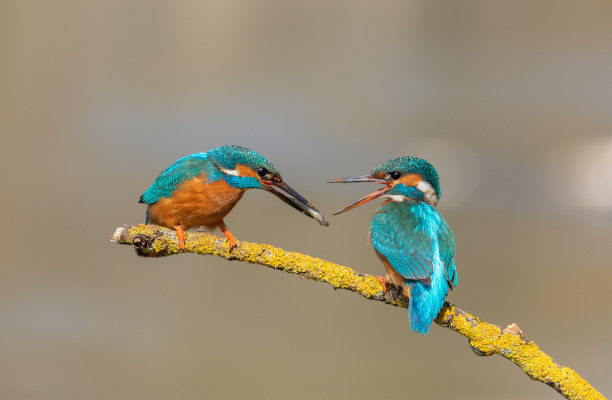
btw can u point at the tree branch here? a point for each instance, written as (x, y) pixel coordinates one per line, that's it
(485, 339)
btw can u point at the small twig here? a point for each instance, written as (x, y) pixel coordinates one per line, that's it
(484, 338)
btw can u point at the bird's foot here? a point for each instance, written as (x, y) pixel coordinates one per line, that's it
(383, 281)
(180, 234)
(230, 238)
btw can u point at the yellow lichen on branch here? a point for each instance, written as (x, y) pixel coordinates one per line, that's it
(487, 339)
(155, 241)
(484, 338)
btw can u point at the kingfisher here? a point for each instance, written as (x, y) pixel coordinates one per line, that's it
(202, 188)
(410, 236)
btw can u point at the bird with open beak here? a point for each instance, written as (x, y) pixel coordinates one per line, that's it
(409, 235)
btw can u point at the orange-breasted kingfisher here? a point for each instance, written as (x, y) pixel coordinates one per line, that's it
(410, 236)
(202, 188)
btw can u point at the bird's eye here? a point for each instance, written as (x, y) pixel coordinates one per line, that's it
(395, 175)
(261, 171)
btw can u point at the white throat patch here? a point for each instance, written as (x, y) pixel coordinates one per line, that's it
(396, 197)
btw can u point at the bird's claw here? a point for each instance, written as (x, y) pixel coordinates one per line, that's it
(232, 245)
(231, 239)
(383, 281)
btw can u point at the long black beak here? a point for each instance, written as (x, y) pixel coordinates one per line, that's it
(363, 200)
(294, 199)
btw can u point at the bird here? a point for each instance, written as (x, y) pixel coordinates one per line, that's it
(202, 188)
(410, 236)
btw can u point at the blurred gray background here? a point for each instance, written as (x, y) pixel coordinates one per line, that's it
(511, 101)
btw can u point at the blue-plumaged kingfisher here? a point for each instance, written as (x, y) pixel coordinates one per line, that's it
(202, 188)
(410, 236)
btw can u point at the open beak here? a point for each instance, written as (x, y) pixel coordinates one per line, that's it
(371, 196)
(362, 178)
(294, 199)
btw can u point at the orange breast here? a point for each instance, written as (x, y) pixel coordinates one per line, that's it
(394, 277)
(196, 203)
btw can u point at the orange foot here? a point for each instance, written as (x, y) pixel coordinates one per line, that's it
(383, 280)
(230, 238)
(180, 234)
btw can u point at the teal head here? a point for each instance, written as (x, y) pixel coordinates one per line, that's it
(404, 178)
(244, 168)
(249, 168)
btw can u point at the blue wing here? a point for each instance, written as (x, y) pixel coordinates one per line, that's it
(409, 235)
(183, 169)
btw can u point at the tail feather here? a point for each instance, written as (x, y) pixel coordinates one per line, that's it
(426, 301)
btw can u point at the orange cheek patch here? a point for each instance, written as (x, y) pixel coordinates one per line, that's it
(410, 179)
(243, 170)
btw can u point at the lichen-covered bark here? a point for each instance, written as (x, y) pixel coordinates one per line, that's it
(484, 338)
(487, 339)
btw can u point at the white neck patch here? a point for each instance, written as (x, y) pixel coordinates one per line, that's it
(233, 172)
(430, 193)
